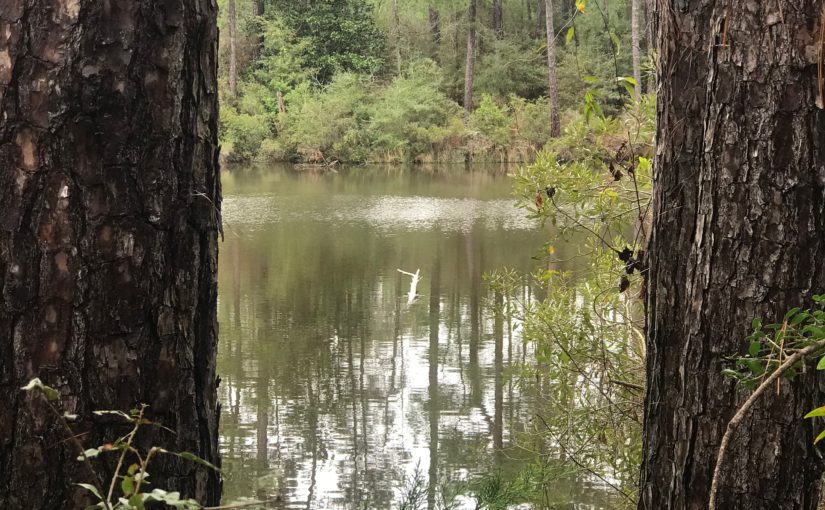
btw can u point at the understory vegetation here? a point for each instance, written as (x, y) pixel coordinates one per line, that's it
(353, 81)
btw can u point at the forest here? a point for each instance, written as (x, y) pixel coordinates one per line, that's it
(354, 81)
(408, 255)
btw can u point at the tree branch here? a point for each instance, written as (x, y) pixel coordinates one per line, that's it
(740, 414)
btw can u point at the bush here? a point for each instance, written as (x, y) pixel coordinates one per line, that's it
(412, 115)
(245, 133)
(491, 122)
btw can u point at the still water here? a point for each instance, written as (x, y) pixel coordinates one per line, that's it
(336, 389)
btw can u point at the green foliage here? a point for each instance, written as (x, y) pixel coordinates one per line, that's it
(516, 67)
(341, 36)
(129, 477)
(411, 116)
(491, 122)
(245, 133)
(320, 121)
(411, 110)
(593, 185)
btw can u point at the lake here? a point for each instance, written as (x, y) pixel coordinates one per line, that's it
(337, 388)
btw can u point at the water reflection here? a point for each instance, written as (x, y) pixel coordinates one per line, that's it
(333, 386)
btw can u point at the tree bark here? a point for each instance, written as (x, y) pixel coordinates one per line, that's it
(540, 25)
(469, 68)
(498, 19)
(738, 232)
(109, 219)
(650, 40)
(552, 84)
(435, 26)
(233, 47)
(635, 8)
(258, 39)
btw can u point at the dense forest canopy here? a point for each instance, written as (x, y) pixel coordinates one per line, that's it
(357, 81)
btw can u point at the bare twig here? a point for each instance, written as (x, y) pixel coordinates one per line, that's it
(740, 414)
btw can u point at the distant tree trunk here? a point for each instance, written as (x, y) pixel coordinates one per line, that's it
(635, 8)
(528, 5)
(396, 34)
(552, 84)
(109, 219)
(469, 67)
(540, 18)
(435, 26)
(650, 38)
(233, 50)
(258, 39)
(281, 104)
(738, 232)
(498, 19)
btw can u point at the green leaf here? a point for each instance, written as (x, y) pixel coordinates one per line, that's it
(816, 332)
(820, 437)
(198, 460)
(127, 485)
(92, 489)
(793, 311)
(754, 366)
(137, 502)
(88, 454)
(799, 318)
(36, 384)
(570, 33)
(819, 411)
(821, 364)
(754, 348)
(756, 323)
(733, 374)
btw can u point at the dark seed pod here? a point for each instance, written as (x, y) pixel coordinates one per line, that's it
(624, 283)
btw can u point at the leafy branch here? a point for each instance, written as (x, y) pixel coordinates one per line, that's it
(133, 477)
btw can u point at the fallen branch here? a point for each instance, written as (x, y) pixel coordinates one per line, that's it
(740, 414)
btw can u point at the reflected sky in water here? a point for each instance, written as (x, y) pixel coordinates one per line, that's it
(333, 387)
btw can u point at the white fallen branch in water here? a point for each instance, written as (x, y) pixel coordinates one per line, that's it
(413, 284)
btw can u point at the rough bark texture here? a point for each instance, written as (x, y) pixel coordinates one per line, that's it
(738, 232)
(469, 67)
(109, 197)
(552, 84)
(635, 8)
(498, 18)
(233, 46)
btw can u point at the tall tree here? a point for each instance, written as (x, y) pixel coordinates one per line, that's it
(738, 232)
(109, 219)
(552, 83)
(435, 25)
(635, 11)
(498, 19)
(233, 47)
(469, 67)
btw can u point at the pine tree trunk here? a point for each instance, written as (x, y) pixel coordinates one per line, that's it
(233, 47)
(435, 26)
(635, 8)
(396, 35)
(738, 232)
(552, 84)
(650, 38)
(498, 19)
(540, 26)
(109, 218)
(258, 39)
(469, 68)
